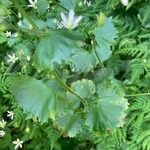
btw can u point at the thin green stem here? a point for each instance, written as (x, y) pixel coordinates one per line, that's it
(8, 69)
(140, 94)
(102, 65)
(67, 88)
(132, 95)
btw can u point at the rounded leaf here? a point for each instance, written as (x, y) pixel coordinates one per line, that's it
(33, 96)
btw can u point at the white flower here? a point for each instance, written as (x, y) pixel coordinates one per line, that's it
(18, 143)
(8, 34)
(33, 4)
(71, 22)
(2, 133)
(10, 114)
(87, 3)
(125, 2)
(2, 123)
(12, 58)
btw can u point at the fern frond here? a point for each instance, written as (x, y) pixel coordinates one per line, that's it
(52, 134)
(137, 69)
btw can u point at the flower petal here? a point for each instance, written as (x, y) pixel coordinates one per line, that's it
(125, 2)
(71, 16)
(76, 22)
(31, 2)
(64, 24)
(35, 1)
(64, 19)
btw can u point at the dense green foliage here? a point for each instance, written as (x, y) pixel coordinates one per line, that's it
(81, 85)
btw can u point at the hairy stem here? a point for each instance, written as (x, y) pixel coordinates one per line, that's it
(67, 88)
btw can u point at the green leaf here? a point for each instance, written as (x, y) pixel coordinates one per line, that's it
(84, 88)
(104, 53)
(144, 14)
(69, 123)
(109, 112)
(2, 37)
(54, 48)
(33, 96)
(42, 6)
(68, 4)
(88, 61)
(6, 140)
(6, 2)
(105, 35)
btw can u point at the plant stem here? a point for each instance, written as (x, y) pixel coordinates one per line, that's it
(67, 88)
(140, 94)
(102, 65)
(8, 69)
(132, 95)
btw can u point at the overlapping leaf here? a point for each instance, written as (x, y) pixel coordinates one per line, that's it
(143, 16)
(69, 123)
(54, 48)
(84, 88)
(105, 36)
(33, 96)
(88, 61)
(109, 111)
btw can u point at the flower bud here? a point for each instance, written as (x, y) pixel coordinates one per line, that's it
(101, 19)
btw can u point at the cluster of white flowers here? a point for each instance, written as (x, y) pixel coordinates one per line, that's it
(18, 143)
(13, 58)
(88, 3)
(71, 21)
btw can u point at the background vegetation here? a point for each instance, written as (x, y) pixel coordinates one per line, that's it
(84, 89)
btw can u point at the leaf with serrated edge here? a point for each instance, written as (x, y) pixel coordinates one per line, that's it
(69, 123)
(109, 111)
(33, 96)
(88, 61)
(54, 48)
